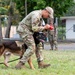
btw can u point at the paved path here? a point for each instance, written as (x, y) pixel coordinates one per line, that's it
(62, 46)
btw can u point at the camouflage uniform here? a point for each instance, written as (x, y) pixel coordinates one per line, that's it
(52, 35)
(55, 38)
(30, 24)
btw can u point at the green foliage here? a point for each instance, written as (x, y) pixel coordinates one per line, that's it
(40, 4)
(8, 7)
(60, 6)
(3, 10)
(11, 8)
(61, 33)
(70, 11)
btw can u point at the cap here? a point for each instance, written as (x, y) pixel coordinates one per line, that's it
(50, 10)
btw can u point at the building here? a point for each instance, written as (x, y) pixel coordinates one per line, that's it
(70, 27)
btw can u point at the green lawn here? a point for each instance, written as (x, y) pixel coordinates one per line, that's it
(62, 63)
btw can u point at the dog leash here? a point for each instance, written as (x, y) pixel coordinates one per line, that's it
(10, 61)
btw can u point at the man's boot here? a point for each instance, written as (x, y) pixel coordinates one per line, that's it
(41, 64)
(20, 65)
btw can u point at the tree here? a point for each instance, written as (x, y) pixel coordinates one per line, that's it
(60, 6)
(70, 11)
(3, 10)
(10, 13)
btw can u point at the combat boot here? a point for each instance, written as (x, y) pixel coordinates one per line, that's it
(41, 64)
(20, 65)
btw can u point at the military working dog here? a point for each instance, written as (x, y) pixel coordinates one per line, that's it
(8, 47)
(12, 47)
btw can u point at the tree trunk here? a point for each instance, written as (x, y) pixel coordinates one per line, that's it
(0, 29)
(0, 32)
(7, 34)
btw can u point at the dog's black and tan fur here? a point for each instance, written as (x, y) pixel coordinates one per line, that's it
(11, 46)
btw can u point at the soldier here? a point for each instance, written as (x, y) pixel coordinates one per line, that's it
(30, 24)
(52, 35)
(55, 37)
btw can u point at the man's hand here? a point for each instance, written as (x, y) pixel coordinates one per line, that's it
(47, 26)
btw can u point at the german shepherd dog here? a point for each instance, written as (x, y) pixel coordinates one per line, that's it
(12, 47)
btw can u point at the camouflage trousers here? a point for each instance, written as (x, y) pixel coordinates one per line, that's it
(53, 42)
(38, 52)
(28, 39)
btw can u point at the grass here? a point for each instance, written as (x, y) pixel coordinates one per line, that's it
(62, 63)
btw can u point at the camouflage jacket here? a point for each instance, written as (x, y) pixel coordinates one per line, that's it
(33, 21)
